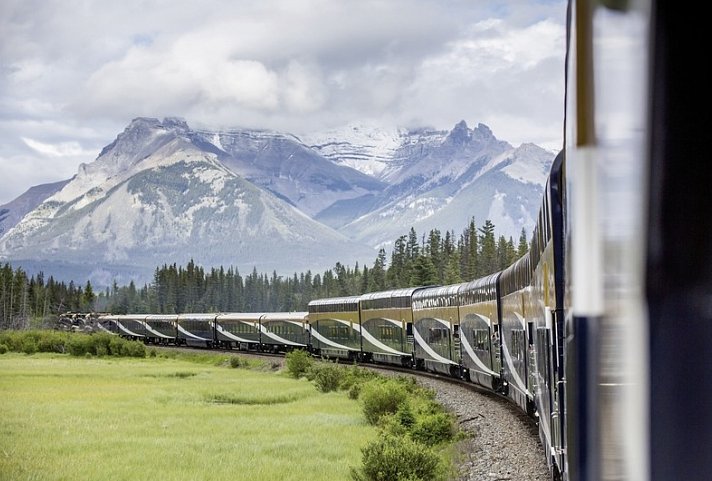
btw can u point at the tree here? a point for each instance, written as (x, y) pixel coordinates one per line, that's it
(88, 298)
(488, 251)
(424, 273)
(377, 281)
(523, 244)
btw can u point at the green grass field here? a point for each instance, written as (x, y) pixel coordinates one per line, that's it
(67, 418)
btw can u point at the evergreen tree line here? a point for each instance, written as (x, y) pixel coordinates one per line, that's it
(435, 259)
(23, 298)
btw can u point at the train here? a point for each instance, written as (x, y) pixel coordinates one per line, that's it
(602, 331)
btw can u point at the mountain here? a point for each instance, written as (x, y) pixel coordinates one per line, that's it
(442, 179)
(153, 196)
(283, 165)
(163, 192)
(12, 212)
(504, 187)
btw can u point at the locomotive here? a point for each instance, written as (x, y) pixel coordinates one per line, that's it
(602, 331)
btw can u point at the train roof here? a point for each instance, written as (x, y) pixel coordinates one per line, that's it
(197, 316)
(284, 316)
(439, 291)
(487, 281)
(334, 300)
(162, 317)
(403, 292)
(240, 316)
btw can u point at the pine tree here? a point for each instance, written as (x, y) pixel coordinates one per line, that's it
(377, 281)
(424, 272)
(88, 298)
(523, 247)
(488, 262)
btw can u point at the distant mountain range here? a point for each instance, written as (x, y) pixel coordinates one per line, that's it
(163, 192)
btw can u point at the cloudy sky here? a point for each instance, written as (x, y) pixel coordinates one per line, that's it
(73, 73)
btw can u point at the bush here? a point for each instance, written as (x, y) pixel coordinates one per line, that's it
(29, 346)
(134, 349)
(299, 362)
(433, 429)
(116, 346)
(52, 342)
(235, 362)
(382, 397)
(327, 376)
(3, 348)
(397, 458)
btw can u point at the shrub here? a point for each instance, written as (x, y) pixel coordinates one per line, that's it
(432, 429)
(397, 458)
(152, 353)
(298, 363)
(116, 346)
(29, 346)
(355, 376)
(235, 362)
(134, 349)
(380, 398)
(3, 348)
(405, 416)
(52, 342)
(327, 376)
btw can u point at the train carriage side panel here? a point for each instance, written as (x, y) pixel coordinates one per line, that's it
(515, 318)
(240, 330)
(480, 332)
(386, 319)
(196, 330)
(436, 326)
(284, 331)
(546, 368)
(161, 329)
(335, 327)
(131, 326)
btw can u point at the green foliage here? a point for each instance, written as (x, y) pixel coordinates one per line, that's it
(397, 458)
(100, 344)
(432, 429)
(381, 397)
(235, 362)
(29, 346)
(3, 348)
(298, 363)
(327, 376)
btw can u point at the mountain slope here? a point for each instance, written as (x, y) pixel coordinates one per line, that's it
(283, 165)
(175, 204)
(502, 184)
(12, 212)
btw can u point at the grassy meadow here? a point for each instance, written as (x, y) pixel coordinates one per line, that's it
(75, 418)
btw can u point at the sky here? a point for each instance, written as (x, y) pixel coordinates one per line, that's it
(73, 73)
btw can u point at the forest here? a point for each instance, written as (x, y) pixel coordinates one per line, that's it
(433, 259)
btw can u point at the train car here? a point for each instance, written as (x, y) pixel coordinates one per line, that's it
(387, 326)
(107, 323)
(480, 332)
(546, 256)
(639, 327)
(515, 317)
(285, 331)
(196, 330)
(240, 330)
(131, 326)
(436, 329)
(335, 327)
(161, 328)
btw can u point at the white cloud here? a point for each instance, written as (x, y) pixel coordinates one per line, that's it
(74, 72)
(62, 149)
